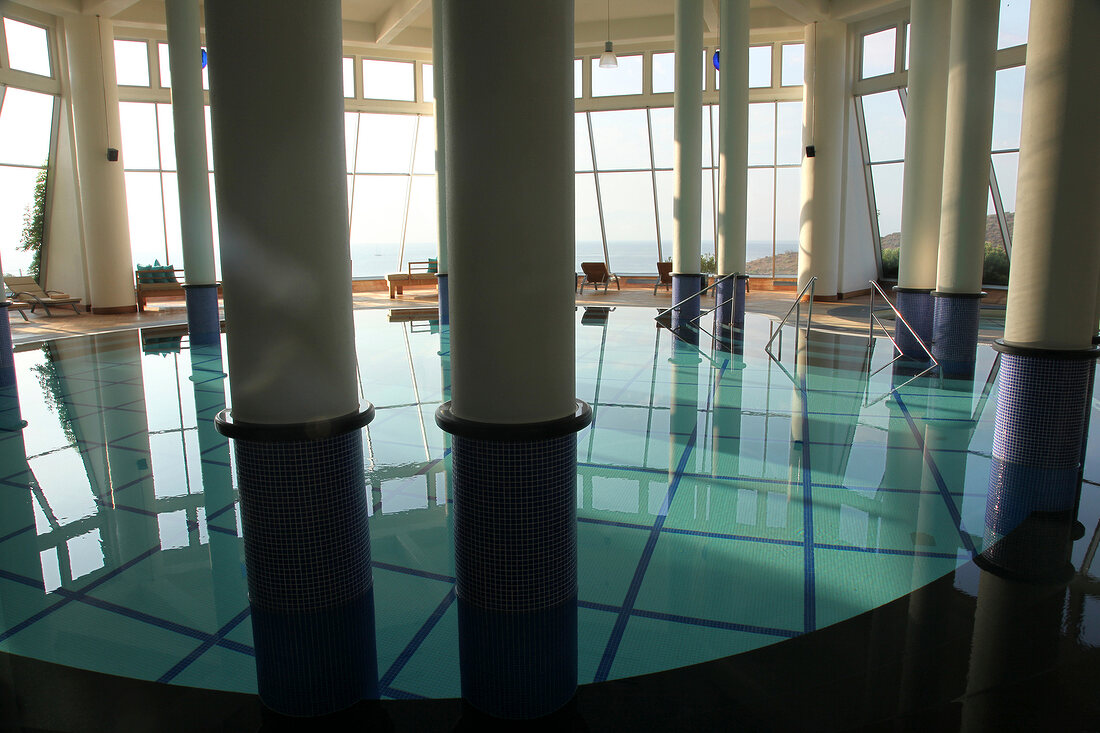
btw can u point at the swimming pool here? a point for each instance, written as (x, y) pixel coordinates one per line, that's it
(724, 502)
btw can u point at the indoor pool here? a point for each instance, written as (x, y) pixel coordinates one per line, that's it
(725, 502)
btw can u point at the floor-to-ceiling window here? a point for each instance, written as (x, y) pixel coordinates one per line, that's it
(28, 89)
(882, 65)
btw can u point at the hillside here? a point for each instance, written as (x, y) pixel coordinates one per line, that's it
(992, 232)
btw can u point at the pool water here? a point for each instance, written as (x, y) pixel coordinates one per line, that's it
(724, 502)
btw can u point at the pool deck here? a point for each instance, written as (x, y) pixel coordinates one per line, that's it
(849, 315)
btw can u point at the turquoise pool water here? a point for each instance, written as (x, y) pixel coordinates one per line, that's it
(724, 502)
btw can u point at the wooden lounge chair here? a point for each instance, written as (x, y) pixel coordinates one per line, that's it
(25, 290)
(664, 276)
(595, 274)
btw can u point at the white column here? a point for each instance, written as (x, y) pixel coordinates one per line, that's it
(282, 211)
(1055, 260)
(510, 211)
(825, 95)
(89, 44)
(439, 92)
(733, 106)
(969, 128)
(189, 121)
(926, 114)
(688, 121)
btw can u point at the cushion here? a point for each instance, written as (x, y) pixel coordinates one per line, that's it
(433, 264)
(144, 274)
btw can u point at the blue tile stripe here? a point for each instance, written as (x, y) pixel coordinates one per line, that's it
(953, 510)
(418, 639)
(204, 647)
(16, 533)
(412, 571)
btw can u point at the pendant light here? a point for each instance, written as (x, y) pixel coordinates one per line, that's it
(608, 60)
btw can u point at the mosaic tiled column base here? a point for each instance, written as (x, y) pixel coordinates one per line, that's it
(955, 333)
(1033, 481)
(307, 552)
(515, 494)
(203, 321)
(686, 317)
(444, 298)
(730, 326)
(7, 352)
(918, 309)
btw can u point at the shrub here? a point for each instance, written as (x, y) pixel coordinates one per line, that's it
(34, 226)
(994, 270)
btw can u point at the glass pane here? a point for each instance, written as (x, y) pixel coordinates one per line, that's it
(788, 211)
(385, 143)
(376, 219)
(581, 144)
(995, 258)
(794, 64)
(708, 223)
(906, 67)
(17, 185)
(666, 182)
(762, 133)
(132, 63)
(349, 77)
(143, 203)
(589, 239)
(28, 47)
(578, 82)
(885, 125)
(1007, 166)
(627, 79)
(424, 156)
(664, 144)
(664, 72)
(628, 219)
(760, 66)
(789, 128)
(25, 122)
(427, 81)
(887, 180)
(878, 52)
(140, 142)
(388, 80)
(716, 129)
(707, 142)
(173, 230)
(621, 138)
(422, 229)
(1008, 108)
(209, 140)
(758, 231)
(1013, 23)
(167, 134)
(214, 222)
(163, 65)
(351, 133)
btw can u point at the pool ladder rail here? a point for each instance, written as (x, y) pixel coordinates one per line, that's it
(796, 309)
(663, 318)
(873, 320)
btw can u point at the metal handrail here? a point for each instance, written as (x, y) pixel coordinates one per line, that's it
(796, 305)
(714, 284)
(872, 319)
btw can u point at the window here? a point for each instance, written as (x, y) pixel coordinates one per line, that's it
(1013, 23)
(132, 63)
(25, 123)
(349, 77)
(388, 80)
(626, 79)
(28, 47)
(878, 53)
(760, 66)
(793, 64)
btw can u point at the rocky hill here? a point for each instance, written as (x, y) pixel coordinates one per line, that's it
(992, 232)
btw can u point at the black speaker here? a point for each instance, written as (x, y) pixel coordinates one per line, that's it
(810, 151)
(112, 155)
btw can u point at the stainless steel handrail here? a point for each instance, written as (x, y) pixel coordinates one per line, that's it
(873, 319)
(796, 305)
(714, 284)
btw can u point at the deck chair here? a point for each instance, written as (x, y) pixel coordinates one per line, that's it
(664, 276)
(595, 274)
(25, 290)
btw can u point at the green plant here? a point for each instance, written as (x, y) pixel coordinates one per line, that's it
(995, 266)
(890, 258)
(34, 226)
(708, 264)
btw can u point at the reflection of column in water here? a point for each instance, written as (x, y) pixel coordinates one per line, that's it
(230, 595)
(445, 464)
(684, 406)
(948, 429)
(726, 427)
(19, 551)
(129, 458)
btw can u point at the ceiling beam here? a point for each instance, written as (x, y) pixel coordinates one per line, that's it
(105, 8)
(398, 17)
(710, 15)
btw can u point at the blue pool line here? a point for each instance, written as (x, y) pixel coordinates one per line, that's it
(809, 618)
(956, 517)
(418, 639)
(206, 645)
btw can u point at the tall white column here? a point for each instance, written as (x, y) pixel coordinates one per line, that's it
(825, 95)
(439, 90)
(733, 153)
(687, 163)
(968, 130)
(926, 114)
(89, 43)
(193, 182)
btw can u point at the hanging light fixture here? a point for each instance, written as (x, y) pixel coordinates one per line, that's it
(608, 60)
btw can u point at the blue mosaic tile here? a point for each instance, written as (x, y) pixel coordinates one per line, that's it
(203, 321)
(955, 334)
(918, 310)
